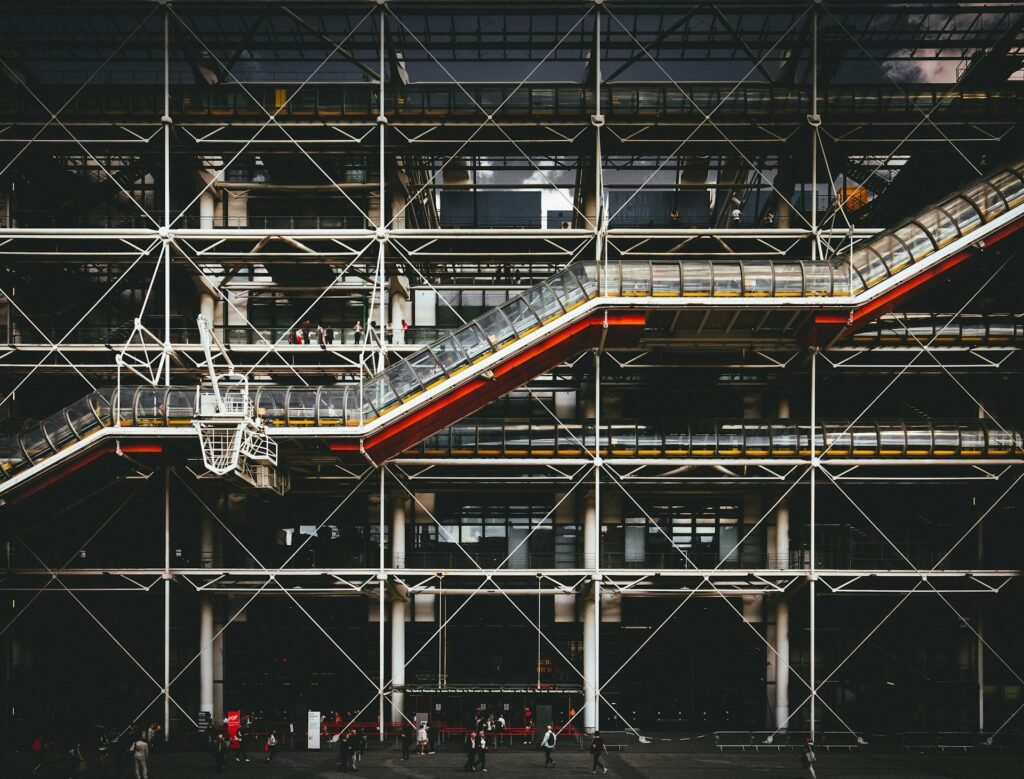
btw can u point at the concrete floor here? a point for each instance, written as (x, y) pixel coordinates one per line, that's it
(653, 762)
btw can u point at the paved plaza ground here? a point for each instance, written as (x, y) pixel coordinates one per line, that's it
(657, 761)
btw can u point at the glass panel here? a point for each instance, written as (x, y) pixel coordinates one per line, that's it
(964, 214)
(519, 314)
(817, 278)
(472, 342)
(636, 278)
(11, 458)
(302, 406)
(331, 406)
(270, 404)
(916, 239)
(358, 407)
(648, 442)
(623, 440)
(837, 439)
(496, 328)
(488, 439)
(58, 430)
(181, 405)
(125, 403)
(403, 379)
(727, 279)
(517, 439)
(946, 440)
(35, 444)
(865, 440)
(611, 279)
(987, 200)
(1011, 186)
(427, 369)
(697, 278)
(543, 301)
(757, 279)
(666, 279)
(542, 439)
(730, 440)
(100, 402)
(449, 354)
(586, 273)
(677, 443)
(567, 288)
(783, 440)
(149, 407)
(893, 440)
(83, 418)
(883, 252)
(756, 440)
(940, 226)
(972, 440)
(919, 439)
(379, 393)
(703, 438)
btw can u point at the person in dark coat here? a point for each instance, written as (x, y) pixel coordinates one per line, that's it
(345, 752)
(481, 751)
(408, 739)
(220, 752)
(597, 749)
(470, 751)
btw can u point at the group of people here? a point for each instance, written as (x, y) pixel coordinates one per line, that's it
(323, 334)
(351, 748)
(306, 333)
(423, 736)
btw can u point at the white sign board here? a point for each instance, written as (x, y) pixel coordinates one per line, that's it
(313, 730)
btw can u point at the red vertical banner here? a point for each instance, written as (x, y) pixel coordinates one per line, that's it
(234, 718)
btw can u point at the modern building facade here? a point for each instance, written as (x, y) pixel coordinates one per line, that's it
(637, 365)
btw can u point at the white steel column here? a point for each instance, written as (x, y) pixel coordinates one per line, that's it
(165, 230)
(813, 576)
(206, 699)
(592, 561)
(167, 604)
(382, 581)
(782, 664)
(167, 356)
(398, 611)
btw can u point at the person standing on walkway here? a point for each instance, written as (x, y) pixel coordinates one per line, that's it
(597, 749)
(140, 757)
(548, 745)
(421, 739)
(481, 752)
(808, 758)
(470, 752)
(271, 746)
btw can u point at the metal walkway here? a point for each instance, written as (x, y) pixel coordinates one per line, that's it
(587, 305)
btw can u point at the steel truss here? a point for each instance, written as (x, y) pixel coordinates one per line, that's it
(360, 259)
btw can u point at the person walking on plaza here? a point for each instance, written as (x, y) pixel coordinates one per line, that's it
(481, 752)
(358, 748)
(140, 757)
(408, 739)
(808, 758)
(271, 746)
(220, 752)
(470, 752)
(239, 738)
(345, 752)
(597, 749)
(548, 745)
